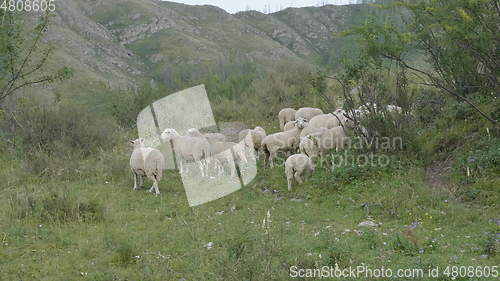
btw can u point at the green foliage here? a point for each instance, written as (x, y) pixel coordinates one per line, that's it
(57, 129)
(126, 105)
(458, 38)
(56, 206)
(404, 246)
(23, 55)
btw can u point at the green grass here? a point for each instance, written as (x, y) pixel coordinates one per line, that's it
(95, 227)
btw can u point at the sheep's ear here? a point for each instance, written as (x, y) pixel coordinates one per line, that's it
(131, 141)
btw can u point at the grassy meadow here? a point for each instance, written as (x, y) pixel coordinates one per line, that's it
(83, 221)
(68, 211)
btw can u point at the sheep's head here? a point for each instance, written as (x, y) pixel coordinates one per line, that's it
(301, 123)
(138, 143)
(168, 134)
(193, 132)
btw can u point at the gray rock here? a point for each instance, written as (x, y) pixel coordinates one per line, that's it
(368, 223)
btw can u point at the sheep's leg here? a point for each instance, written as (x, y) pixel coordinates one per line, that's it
(271, 158)
(181, 170)
(220, 168)
(155, 187)
(202, 168)
(135, 181)
(297, 177)
(141, 181)
(289, 182)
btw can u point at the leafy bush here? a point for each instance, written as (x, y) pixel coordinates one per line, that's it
(57, 129)
(126, 106)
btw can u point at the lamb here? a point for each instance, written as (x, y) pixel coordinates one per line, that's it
(288, 126)
(211, 137)
(329, 139)
(307, 113)
(298, 166)
(286, 115)
(254, 138)
(308, 148)
(282, 141)
(148, 162)
(188, 148)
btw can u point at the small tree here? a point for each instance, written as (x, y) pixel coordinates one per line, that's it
(22, 61)
(459, 38)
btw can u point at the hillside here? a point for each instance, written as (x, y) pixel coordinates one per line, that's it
(122, 44)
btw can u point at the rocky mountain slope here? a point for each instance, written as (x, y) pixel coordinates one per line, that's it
(123, 43)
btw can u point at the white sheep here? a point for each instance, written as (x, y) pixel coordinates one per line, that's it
(188, 148)
(327, 139)
(298, 166)
(307, 113)
(307, 147)
(254, 138)
(286, 115)
(282, 141)
(146, 162)
(222, 153)
(288, 126)
(211, 137)
(341, 114)
(327, 121)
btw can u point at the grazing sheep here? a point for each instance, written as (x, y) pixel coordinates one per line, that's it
(282, 141)
(309, 130)
(327, 121)
(254, 138)
(329, 139)
(288, 126)
(307, 113)
(286, 115)
(211, 137)
(298, 166)
(222, 154)
(308, 148)
(215, 137)
(148, 162)
(188, 148)
(341, 114)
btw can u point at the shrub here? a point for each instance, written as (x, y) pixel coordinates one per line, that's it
(57, 128)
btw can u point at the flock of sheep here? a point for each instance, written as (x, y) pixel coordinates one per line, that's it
(307, 134)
